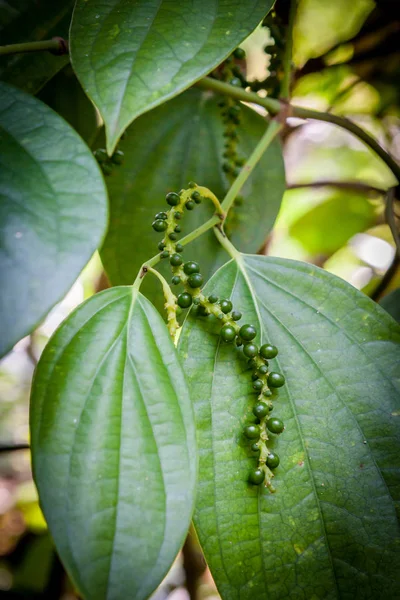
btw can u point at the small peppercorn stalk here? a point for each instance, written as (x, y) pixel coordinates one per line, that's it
(188, 275)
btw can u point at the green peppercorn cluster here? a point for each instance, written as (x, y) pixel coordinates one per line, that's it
(188, 275)
(107, 163)
(275, 50)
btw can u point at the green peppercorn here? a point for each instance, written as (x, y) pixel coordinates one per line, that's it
(236, 315)
(212, 298)
(256, 476)
(239, 53)
(179, 247)
(190, 205)
(268, 351)
(184, 300)
(239, 342)
(195, 280)
(247, 332)
(173, 236)
(236, 82)
(161, 215)
(118, 157)
(101, 155)
(255, 447)
(275, 425)
(272, 460)
(252, 432)
(258, 384)
(202, 311)
(175, 280)
(260, 410)
(164, 254)
(191, 267)
(275, 380)
(226, 306)
(106, 167)
(177, 215)
(267, 393)
(251, 362)
(192, 184)
(234, 110)
(177, 229)
(263, 369)
(250, 350)
(254, 376)
(159, 225)
(172, 199)
(228, 333)
(161, 245)
(176, 260)
(196, 196)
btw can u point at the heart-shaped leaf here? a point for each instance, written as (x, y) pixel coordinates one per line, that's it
(180, 141)
(330, 530)
(53, 211)
(113, 445)
(131, 57)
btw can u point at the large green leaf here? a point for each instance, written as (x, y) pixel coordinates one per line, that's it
(53, 211)
(113, 446)
(330, 530)
(131, 57)
(33, 21)
(165, 149)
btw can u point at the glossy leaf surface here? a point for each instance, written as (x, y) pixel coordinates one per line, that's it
(113, 445)
(330, 530)
(33, 21)
(164, 150)
(53, 211)
(131, 57)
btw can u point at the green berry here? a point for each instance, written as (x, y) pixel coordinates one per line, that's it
(195, 280)
(173, 236)
(252, 432)
(192, 184)
(176, 280)
(267, 393)
(106, 168)
(202, 312)
(159, 225)
(258, 384)
(177, 229)
(250, 350)
(251, 362)
(275, 380)
(239, 53)
(176, 260)
(256, 476)
(239, 342)
(226, 306)
(275, 425)
(260, 410)
(118, 157)
(236, 315)
(177, 215)
(247, 333)
(161, 245)
(196, 196)
(172, 199)
(272, 460)
(236, 82)
(191, 267)
(263, 370)
(101, 155)
(255, 447)
(179, 247)
(161, 215)
(164, 254)
(212, 298)
(254, 376)
(184, 300)
(268, 351)
(190, 205)
(228, 333)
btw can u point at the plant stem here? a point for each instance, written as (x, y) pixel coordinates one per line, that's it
(271, 132)
(356, 186)
(225, 243)
(386, 279)
(287, 57)
(390, 218)
(55, 45)
(13, 447)
(274, 106)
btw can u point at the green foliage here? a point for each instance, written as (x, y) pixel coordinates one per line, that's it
(53, 211)
(109, 438)
(391, 303)
(152, 52)
(333, 515)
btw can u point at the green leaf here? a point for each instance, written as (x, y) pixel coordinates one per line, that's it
(65, 95)
(53, 211)
(330, 530)
(33, 21)
(164, 150)
(113, 446)
(131, 57)
(391, 303)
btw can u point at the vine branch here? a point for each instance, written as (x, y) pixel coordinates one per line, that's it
(356, 186)
(56, 45)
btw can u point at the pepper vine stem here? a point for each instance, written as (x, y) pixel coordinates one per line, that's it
(275, 107)
(56, 45)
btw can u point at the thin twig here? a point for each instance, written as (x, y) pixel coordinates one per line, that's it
(356, 186)
(56, 45)
(386, 279)
(13, 447)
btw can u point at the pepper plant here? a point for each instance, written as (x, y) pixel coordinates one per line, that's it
(152, 403)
